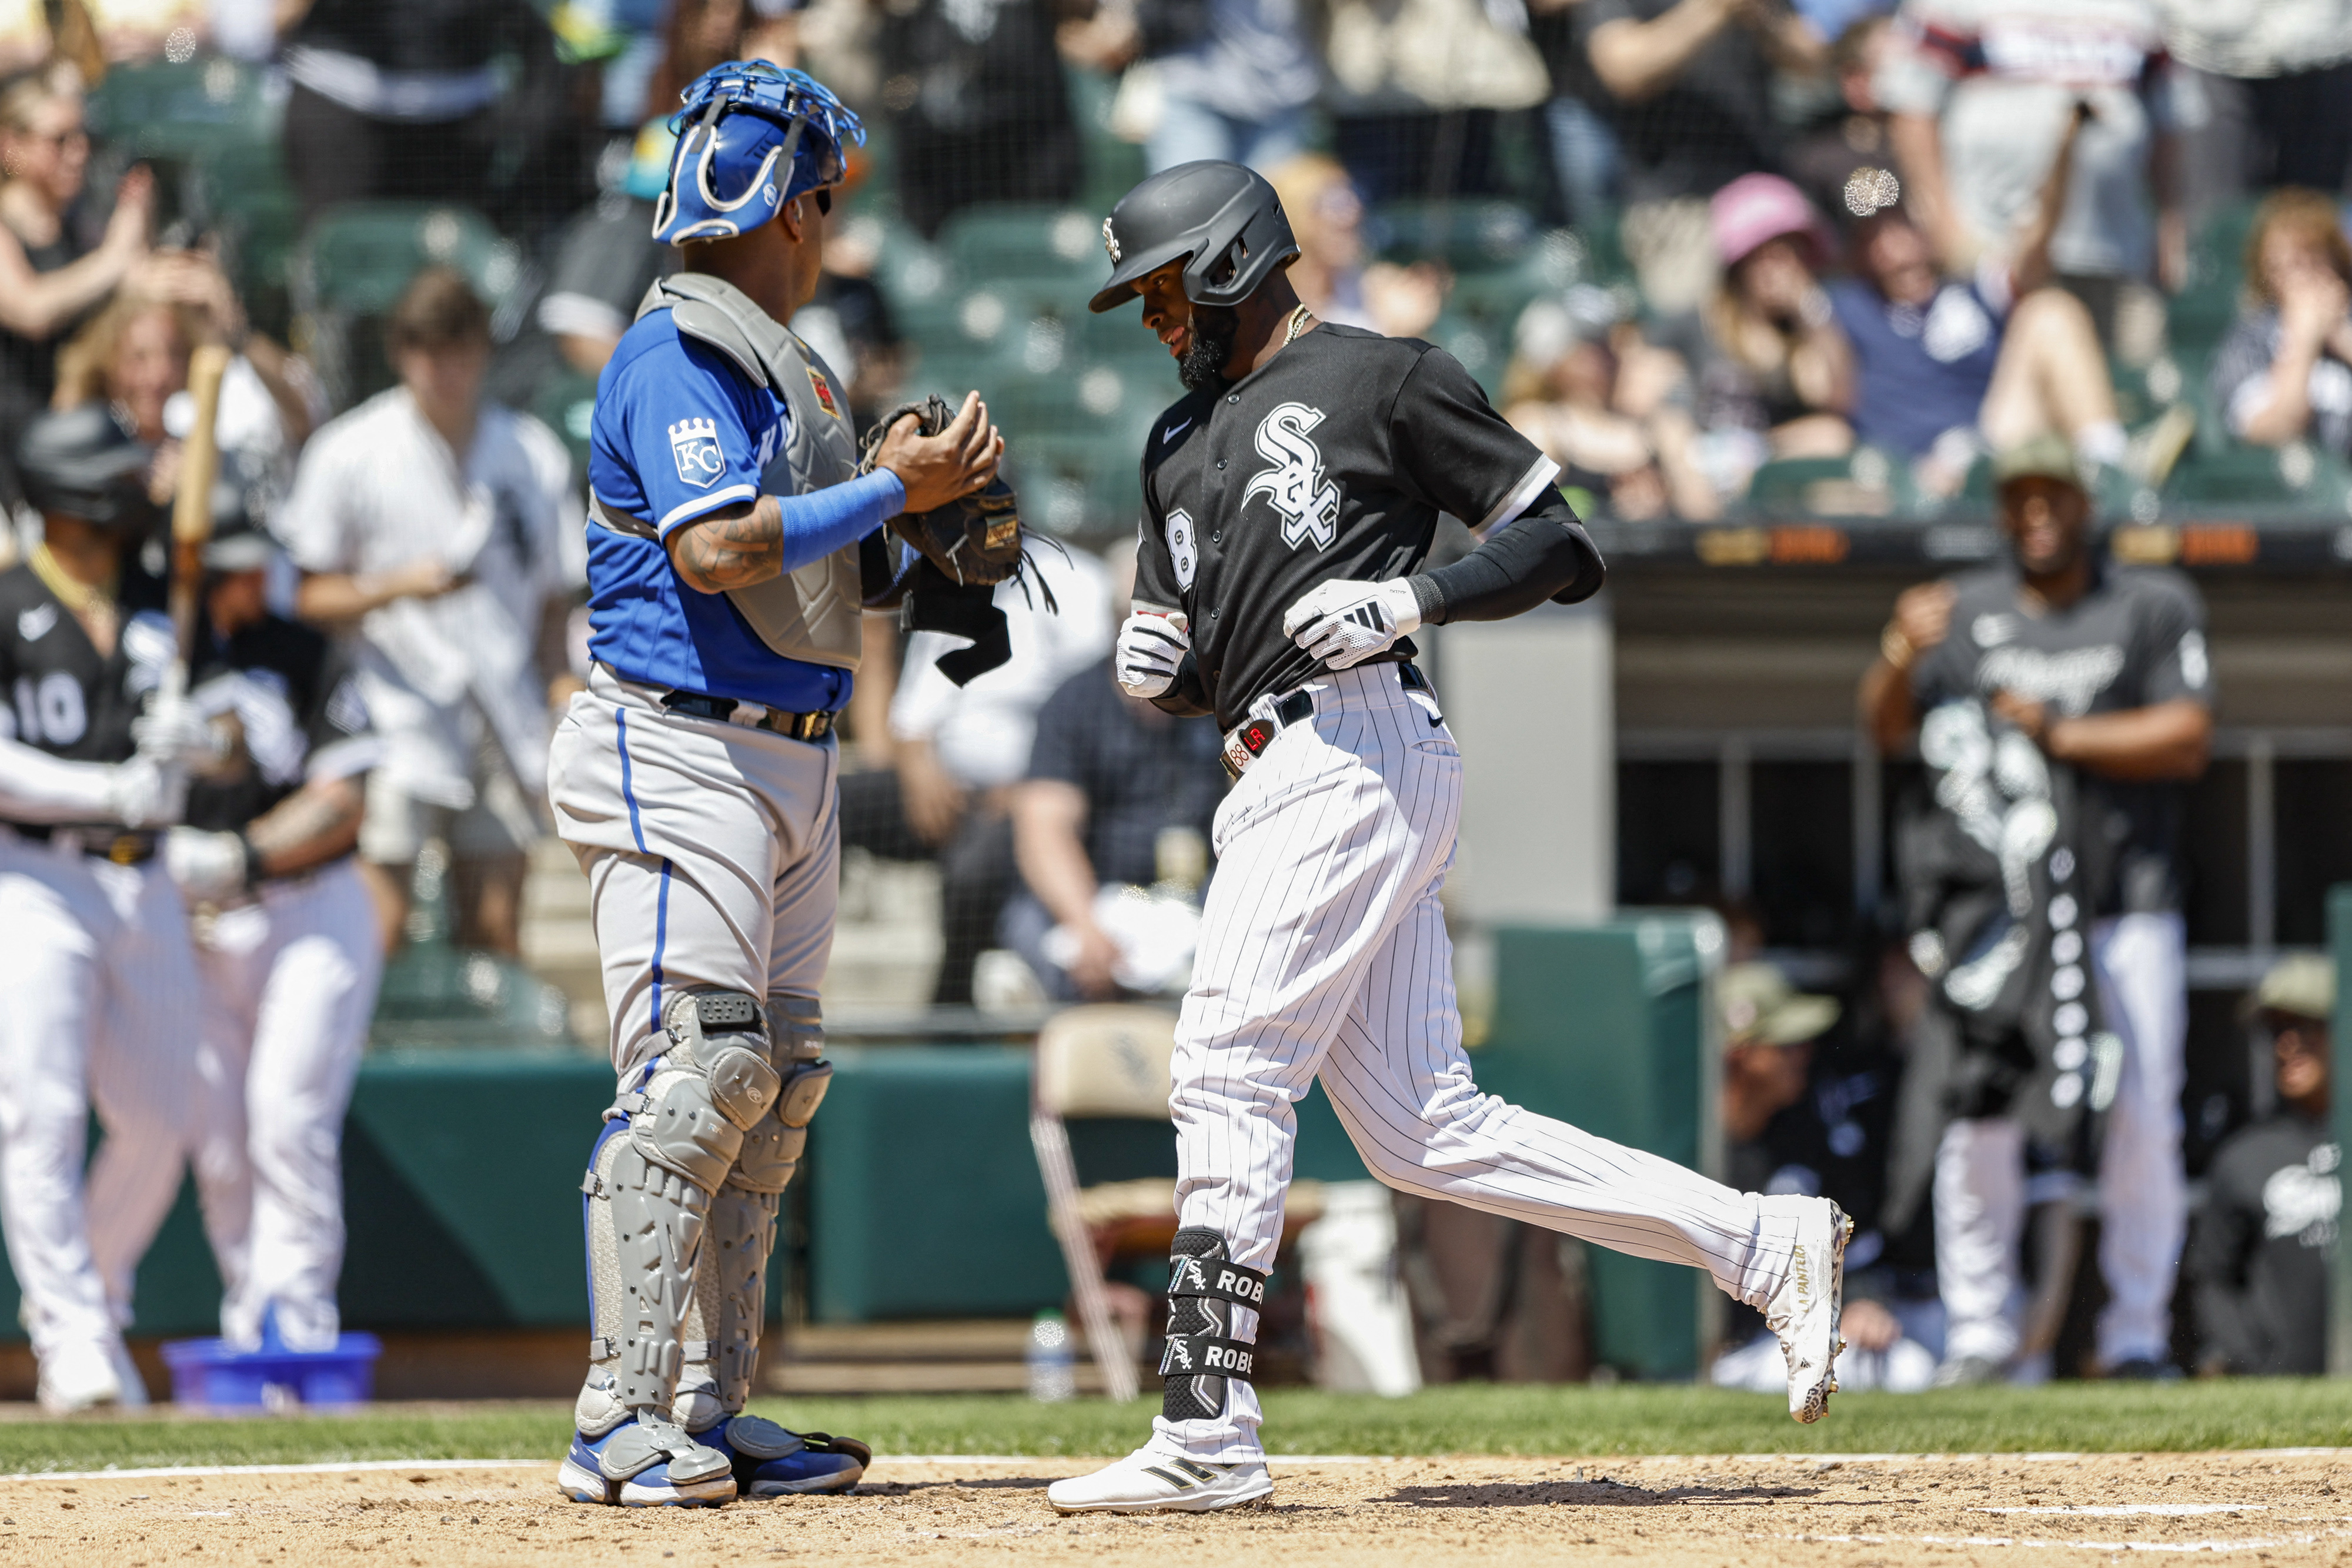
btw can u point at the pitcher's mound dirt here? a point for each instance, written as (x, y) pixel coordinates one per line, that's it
(1722, 1512)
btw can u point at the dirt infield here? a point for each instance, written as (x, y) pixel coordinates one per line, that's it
(2276, 1507)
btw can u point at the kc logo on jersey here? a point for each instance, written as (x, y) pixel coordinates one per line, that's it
(694, 444)
(1294, 486)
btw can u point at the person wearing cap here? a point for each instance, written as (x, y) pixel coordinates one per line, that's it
(2264, 1243)
(1772, 375)
(1562, 392)
(286, 942)
(97, 981)
(2105, 668)
(1768, 1031)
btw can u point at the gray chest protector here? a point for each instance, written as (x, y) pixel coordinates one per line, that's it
(810, 614)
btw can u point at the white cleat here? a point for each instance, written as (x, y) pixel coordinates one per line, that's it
(80, 1376)
(1147, 1482)
(1804, 1311)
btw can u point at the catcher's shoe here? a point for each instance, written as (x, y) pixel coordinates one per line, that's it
(1804, 1311)
(645, 1464)
(1147, 1482)
(769, 1461)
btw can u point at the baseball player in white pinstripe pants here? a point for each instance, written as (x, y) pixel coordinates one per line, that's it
(1289, 504)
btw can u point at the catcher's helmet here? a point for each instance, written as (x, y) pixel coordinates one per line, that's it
(81, 463)
(740, 120)
(1225, 218)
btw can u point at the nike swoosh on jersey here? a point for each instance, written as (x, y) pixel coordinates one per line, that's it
(1173, 431)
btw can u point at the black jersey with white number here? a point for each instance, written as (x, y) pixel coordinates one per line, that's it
(62, 695)
(1332, 460)
(299, 709)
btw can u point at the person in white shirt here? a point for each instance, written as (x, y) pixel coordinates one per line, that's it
(956, 752)
(444, 530)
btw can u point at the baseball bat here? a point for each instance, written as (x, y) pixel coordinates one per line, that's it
(191, 503)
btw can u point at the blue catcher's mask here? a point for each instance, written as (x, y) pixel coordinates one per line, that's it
(739, 122)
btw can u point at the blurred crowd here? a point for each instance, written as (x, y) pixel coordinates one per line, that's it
(1823, 254)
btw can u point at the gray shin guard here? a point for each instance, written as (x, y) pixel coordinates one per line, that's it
(650, 1198)
(1203, 1289)
(731, 1275)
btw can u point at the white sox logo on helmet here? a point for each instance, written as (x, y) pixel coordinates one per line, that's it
(1110, 243)
(1294, 486)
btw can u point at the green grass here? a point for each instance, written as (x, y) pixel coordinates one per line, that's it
(1468, 1419)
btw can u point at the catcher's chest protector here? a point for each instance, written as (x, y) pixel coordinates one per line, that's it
(811, 614)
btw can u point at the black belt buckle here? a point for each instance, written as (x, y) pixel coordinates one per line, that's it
(808, 726)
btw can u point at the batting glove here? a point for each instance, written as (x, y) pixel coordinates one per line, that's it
(209, 867)
(176, 732)
(1150, 649)
(1344, 623)
(142, 793)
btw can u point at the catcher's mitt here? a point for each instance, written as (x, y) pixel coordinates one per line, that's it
(975, 541)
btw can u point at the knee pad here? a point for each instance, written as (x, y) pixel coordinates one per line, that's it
(1202, 1356)
(771, 1149)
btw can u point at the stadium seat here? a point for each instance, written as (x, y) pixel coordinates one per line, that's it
(356, 260)
(2296, 479)
(1867, 482)
(1468, 237)
(185, 112)
(1001, 244)
(567, 403)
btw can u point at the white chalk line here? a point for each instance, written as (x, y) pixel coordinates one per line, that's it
(1275, 1460)
(2251, 1544)
(2161, 1509)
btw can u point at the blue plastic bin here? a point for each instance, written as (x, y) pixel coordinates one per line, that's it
(208, 1372)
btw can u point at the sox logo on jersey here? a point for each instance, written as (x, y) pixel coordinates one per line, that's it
(1294, 486)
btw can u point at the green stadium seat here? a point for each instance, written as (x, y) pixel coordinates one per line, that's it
(1059, 245)
(1866, 483)
(188, 110)
(1468, 237)
(2296, 479)
(567, 403)
(353, 265)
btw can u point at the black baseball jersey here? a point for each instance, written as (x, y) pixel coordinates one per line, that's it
(2135, 640)
(62, 696)
(2257, 1255)
(298, 709)
(1332, 460)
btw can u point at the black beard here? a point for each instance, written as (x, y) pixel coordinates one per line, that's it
(1214, 328)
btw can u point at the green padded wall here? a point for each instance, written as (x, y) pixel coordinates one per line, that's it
(1604, 1026)
(461, 1179)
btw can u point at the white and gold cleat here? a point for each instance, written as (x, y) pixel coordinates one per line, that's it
(1147, 1482)
(1804, 1311)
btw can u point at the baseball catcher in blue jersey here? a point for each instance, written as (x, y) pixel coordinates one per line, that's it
(736, 532)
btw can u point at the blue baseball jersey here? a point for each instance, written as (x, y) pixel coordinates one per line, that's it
(679, 435)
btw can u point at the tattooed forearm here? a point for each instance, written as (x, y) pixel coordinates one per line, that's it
(309, 827)
(730, 548)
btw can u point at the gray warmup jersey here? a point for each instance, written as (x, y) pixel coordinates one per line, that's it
(2135, 640)
(1331, 462)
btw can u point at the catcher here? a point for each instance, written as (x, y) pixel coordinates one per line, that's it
(733, 543)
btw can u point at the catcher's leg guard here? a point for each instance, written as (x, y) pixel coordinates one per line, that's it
(730, 1287)
(668, 1146)
(1203, 1289)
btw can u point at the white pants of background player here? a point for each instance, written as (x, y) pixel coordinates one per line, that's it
(290, 985)
(98, 1003)
(1982, 1193)
(1323, 954)
(713, 853)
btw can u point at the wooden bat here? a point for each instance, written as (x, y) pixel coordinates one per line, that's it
(191, 503)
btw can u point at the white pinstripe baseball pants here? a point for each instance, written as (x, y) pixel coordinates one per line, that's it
(1324, 953)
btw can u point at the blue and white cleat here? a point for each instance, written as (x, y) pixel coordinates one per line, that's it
(769, 1461)
(646, 1464)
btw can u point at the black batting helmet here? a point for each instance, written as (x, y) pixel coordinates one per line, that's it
(1226, 219)
(81, 463)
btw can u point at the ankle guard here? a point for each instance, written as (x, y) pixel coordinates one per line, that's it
(667, 1148)
(1203, 1289)
(731, 1275)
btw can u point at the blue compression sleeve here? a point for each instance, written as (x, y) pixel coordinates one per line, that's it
(822, 521)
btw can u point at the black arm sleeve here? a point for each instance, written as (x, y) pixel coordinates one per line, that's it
(1188, 698)
(1542, 554)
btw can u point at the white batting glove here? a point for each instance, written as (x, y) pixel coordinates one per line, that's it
(209, 867)
(1344, 623)
(143, 793)
(1151, 648)
(175, 731)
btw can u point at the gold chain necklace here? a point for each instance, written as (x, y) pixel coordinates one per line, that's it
(94, 606)
(1299, 318)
